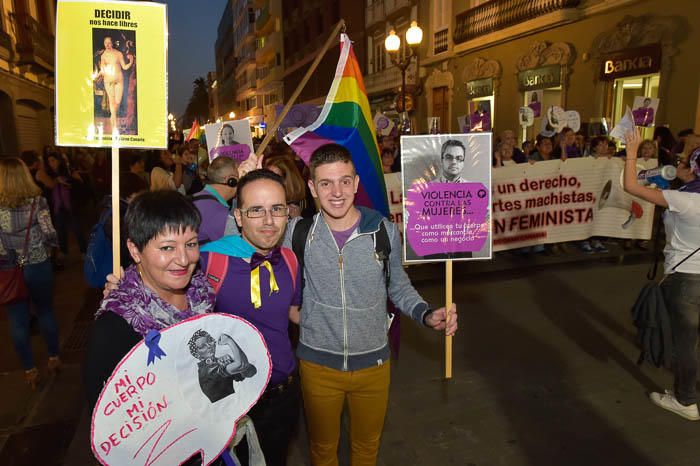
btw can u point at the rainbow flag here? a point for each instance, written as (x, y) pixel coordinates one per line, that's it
(194, 131)
(346, 120)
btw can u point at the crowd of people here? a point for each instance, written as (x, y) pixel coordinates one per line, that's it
(180, 212)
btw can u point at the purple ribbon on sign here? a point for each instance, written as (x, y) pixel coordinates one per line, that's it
(154, 351)
(228, 459)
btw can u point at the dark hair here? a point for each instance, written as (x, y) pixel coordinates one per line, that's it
(667, 141)
(133, 159)
(681, 134)
(387, 151)
(566, 129)
(62, 166)
(329, 153)
(255, 175)
(155, 212)
(131, 183)
(452, 143)
(597, 140)
(30, 157)
(539, 138)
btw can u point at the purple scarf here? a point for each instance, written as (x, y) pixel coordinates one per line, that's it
(144, 310)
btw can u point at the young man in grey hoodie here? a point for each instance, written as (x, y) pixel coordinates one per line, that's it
(343, 347)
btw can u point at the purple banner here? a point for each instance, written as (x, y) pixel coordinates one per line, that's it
(447, 218)
(238, 152)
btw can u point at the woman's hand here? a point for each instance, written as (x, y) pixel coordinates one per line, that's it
(112, 282)
(253, 162)
(632, 141)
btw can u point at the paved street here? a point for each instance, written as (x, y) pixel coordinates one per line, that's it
(544, 374)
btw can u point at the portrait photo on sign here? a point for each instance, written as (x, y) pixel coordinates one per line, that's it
(447, 197)
(114, 80)
(229, 139)
(644, 110)
(534, 101)
(221, 366)
(479, 115)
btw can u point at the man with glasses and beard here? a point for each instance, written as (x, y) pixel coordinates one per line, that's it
(257, 280)
(452, 155)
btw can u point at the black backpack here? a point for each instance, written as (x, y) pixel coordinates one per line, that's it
(382, 246)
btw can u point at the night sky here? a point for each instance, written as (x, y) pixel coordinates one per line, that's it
(192, 26)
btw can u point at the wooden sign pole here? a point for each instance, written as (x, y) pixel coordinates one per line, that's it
(273, 129)
(448, 305)
(116, 217)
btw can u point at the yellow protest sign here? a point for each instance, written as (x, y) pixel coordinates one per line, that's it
(111, 73)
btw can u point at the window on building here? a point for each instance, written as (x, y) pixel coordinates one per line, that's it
(251, 103)
(626, 90)
(441, 16)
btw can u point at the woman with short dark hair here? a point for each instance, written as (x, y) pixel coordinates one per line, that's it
(162, 288)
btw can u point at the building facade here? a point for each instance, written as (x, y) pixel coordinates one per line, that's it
(306, 25)
(269, 60)
(591, 56)
(246, 69)
(26, 75)
(383, 79)
(222, 83)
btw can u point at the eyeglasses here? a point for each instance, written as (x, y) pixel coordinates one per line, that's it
(259, 212)
(452, 158)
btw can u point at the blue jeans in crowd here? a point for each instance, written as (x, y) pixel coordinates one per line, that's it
(65, 220)
(682, 296)
(39, 280)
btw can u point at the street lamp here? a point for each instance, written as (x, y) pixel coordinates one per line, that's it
(232, 115)
(392, 44)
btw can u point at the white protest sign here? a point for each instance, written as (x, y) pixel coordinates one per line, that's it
(230, 139)
(573, 120)
(446, 195)
(383, 124)
(395, 198)
(624, 126)
(212, 369)
(555, 201)
(526, 116)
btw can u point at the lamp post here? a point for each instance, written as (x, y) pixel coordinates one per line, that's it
(414, 36)
(232, 115)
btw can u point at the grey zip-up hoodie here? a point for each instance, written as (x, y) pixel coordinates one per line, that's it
(344, 315)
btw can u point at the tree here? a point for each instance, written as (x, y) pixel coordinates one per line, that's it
(198, 105)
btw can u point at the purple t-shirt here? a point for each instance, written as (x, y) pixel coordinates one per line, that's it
(341, 237)
(272, 318)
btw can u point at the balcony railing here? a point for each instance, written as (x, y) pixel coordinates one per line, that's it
(383, 80)
(500, 14)
(392, 6)
(33, 41)
(262, 19)
(440, 42)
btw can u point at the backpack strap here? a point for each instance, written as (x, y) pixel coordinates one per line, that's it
(382, 249)
(301, 232)
(292, 264)
(217, 266)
